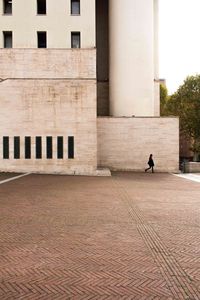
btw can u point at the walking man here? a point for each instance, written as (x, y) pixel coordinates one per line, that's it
(150, 163)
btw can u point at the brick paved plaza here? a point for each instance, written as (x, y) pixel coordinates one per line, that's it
(131, 236)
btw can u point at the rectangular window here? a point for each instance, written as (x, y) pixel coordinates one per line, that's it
(60, 147)
(27, 147)
(7, 7)
(5, 147)
(16, 147)
(71, 147)
(49, 147)
(75, 40)
(41, 7)
(42, 39)
(7, 39)
(38, 145)
(75, 7)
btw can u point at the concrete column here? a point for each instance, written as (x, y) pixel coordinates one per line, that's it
(156, 60)
(131, 46)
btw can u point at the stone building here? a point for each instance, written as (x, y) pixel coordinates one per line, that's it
(79, 87)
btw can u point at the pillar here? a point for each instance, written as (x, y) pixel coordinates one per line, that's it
(132, 57)
(156, 60)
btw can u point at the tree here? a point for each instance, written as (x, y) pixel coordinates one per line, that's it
(163, 99)
(185, 103)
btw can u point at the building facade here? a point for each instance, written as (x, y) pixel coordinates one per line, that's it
(79, 87)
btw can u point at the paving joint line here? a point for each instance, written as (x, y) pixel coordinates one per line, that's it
(14, 178)
(164, 259)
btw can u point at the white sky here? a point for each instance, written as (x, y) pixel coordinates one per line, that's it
(179, 41)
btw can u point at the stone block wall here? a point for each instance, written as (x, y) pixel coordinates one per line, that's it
(43, 100)
(125, 143)
(48, 63)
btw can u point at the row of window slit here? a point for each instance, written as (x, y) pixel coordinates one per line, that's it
(38, 147)
(41, 7)
(42, 39)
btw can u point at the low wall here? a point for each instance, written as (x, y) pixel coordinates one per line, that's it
(125, 143)
(192, 167)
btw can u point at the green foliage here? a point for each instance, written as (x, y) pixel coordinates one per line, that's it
(185, 103)
(163, 99)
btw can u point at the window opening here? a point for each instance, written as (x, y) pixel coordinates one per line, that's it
(75, 7)
(16, 147)
(7, 36)
(7, 7)
(5, 147)
(71, 147)
(38, 145)
(42, 39)
(75, 40)
(60, 147)
(27, 147)
(41, 7)
(49, 147)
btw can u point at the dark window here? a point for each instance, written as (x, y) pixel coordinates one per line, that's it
(49, 147)
(71, 147)
(42, 39)
(75, 7)
(75, 40)
(38, 141)
(41, 7)
(16, 147)
(60, 147)
(27, 147)
(7, 7)
(7, 38)
(6, 147)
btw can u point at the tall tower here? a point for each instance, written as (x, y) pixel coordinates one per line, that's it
(133, 29)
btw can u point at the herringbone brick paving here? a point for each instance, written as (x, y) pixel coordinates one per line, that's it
(132, 236)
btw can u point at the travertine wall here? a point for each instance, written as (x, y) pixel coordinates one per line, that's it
(53, 106)
(50, 108)
(48, 63)
(125, 143)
